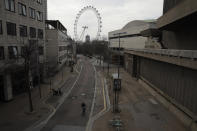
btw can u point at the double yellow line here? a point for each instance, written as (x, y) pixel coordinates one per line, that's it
(104, 97)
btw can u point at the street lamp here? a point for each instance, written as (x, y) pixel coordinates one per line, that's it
(108, 58)
(117, 81)
(119, 51)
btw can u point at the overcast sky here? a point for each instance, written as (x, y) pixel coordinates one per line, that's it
(115, 13)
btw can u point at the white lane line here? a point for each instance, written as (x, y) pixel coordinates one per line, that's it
(89, 124)
(38, 127)
(153, 101)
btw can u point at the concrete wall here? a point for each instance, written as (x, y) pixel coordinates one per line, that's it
(179, 24)
(176, 83)
(183, 39)
(168, 4)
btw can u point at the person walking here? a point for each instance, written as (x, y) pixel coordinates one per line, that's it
(83, 106)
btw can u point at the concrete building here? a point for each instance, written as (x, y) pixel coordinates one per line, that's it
(130, 36)
(21, 23)
(57, 45)
(179, 24)
(172, 71)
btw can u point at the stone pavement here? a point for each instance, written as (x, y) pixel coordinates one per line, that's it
(140, 111)
(15, 115)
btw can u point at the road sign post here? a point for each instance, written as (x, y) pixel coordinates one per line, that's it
(116, 89)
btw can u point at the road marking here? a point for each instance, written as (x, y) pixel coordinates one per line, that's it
(153, 101)
(76, 67)
(104, 97)
(88, 128)
(40, 124)
(106, 107)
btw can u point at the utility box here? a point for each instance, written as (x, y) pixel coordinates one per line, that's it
(116, 82)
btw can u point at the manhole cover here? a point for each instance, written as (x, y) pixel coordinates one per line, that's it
(74, 97)
(83, 94)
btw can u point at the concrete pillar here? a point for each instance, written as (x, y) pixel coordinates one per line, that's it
(8, 87)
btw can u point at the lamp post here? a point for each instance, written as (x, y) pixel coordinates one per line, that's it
(117, 82)
(108, 58)
(119, 51)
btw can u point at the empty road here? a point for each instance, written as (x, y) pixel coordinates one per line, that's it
(68, 117)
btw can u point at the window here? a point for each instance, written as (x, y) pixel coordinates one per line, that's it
(23, 30)
(32, 32)
(1, 27)
(32, 13)
(22, 9)
(10, 5)
(41, 50)
(39, 1)
(1, 53)
(13, 52)
(39, 16)
(40, 33)
(11, 29)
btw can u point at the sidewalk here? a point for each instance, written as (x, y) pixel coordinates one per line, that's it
(140, 111)
(15, 115)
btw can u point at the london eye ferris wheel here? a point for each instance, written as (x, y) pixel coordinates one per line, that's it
(99, 25)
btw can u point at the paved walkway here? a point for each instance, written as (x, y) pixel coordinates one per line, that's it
(140, 111)
(15, 115)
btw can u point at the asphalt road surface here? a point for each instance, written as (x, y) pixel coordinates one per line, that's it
(69, 116)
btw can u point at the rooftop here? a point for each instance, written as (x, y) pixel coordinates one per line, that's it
(55, 24)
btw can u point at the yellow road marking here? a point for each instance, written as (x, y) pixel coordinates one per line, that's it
(104, 98)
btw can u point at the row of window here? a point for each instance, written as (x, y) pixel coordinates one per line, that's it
(13, 52)
(62, 48)
(11, 30)
(10, 5)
